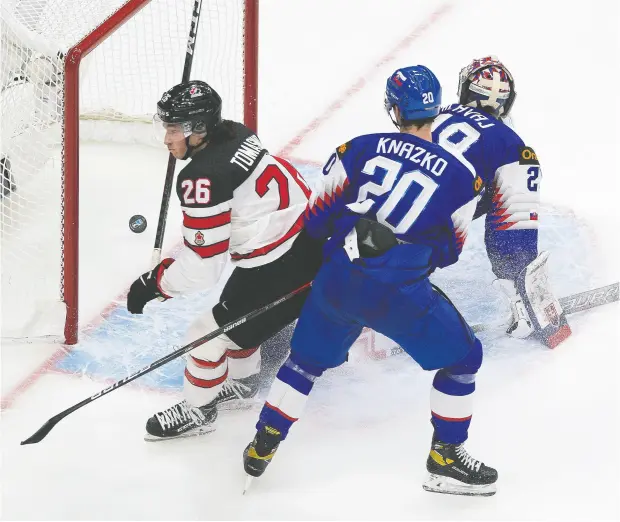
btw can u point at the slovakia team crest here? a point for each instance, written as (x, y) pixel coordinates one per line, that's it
(399, 78)
(199, 238)
(552, 315)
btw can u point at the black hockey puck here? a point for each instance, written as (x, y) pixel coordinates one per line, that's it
(137, 223)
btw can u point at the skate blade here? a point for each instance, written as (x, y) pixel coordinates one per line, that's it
(248, 483)
(191, 433)
(450, 486)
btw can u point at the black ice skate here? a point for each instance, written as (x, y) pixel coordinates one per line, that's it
(452, 470)
(236, 392)
(260, 451)
(181, 420)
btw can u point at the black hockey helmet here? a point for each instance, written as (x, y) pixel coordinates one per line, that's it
(194, 101)
(193, 106)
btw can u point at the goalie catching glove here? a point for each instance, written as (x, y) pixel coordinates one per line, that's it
(534, 308)
(146, 288)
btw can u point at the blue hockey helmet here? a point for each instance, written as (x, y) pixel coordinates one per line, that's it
(487, 84)
(415, 91)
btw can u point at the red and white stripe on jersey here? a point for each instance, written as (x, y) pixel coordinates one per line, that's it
(207, 230)
(267, 212)
(328, 191)
(265, 250)
(461, 219)
(206, 234)
(514, 206)
(257, 226)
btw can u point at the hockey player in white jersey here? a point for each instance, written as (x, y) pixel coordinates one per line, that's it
(238, 202)
(474, 131)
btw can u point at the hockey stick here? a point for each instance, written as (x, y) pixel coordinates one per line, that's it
(165, 199)
(42, 432)
(592, 298)
(571, 304)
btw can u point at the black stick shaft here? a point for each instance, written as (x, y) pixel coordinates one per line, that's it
(165, 198)
(42, 432)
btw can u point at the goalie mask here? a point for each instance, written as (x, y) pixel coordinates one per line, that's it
(188, 108)
(487, 83)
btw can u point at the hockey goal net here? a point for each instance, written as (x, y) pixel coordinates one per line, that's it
(73, 71)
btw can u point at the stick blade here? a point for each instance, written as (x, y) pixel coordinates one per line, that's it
(41, 433)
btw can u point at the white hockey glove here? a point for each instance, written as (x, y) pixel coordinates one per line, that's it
(534, 307)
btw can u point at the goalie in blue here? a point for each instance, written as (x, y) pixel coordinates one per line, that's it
(395, 207)
(474, 132)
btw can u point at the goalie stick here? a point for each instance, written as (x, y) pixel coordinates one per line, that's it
(592, 298)
(165, 198)
(42, 432)
(571, 304)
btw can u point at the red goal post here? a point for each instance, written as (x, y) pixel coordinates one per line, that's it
(232, 21)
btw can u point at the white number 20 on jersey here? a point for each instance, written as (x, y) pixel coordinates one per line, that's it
(392, 168)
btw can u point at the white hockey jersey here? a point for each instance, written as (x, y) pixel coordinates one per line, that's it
(238, 201)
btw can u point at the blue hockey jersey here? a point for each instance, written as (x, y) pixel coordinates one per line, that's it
(422, 193)
(511, 174)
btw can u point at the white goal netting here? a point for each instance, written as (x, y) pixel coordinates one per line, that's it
(120, 82)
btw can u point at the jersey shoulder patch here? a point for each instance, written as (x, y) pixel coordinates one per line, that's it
(343, 148)
(527, 156)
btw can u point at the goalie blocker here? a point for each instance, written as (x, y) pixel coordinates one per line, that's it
(535, 309)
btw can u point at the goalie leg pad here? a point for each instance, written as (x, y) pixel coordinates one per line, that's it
(544, 309)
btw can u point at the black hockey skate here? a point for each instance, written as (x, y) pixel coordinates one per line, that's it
(261, 450)
(181, 420)
(453, 471)
(236, 392)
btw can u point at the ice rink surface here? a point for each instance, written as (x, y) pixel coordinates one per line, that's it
(548, 420)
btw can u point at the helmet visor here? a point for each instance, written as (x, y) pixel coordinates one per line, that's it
(170, 132)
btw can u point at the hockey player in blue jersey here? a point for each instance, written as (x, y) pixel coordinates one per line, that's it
(474, 132)
(395, 207)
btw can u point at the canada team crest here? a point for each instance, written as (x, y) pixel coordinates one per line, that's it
(199, 238)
